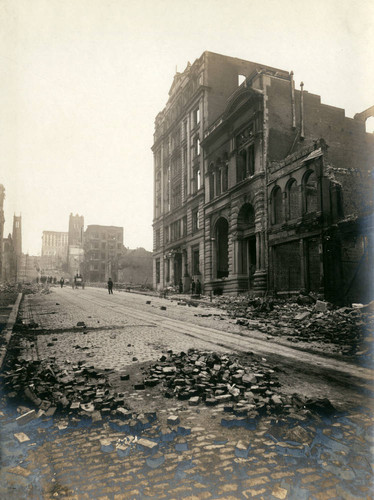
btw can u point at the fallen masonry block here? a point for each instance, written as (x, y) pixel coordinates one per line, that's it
(222, 398)
(151, 382)
(276, 399)
(123, 450)
(163, 308)
(62, 425)
(147, 444)
(45, 405)
(106, 445)
(302, 316)
(21, 437)
(242, 449)
(32, 397)
(321, 306)
(96, 416)
(51, 411)
(148, 302)
(173, 420)
(211, 401)
(89, 407)
(290, 450)
(20, 471)
(169, 369)
(139, 387)
(167, 434)
(26, 417)
(194, 401)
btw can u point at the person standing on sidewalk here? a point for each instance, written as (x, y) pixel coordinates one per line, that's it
(110, 286)
(198, 287)
(62, 281)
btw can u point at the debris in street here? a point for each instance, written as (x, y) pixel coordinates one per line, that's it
(20, 471)
(81, 388)
(26, 417)
(345, 331)
(21, 437)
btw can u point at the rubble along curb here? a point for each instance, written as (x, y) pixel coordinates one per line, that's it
(8, 330)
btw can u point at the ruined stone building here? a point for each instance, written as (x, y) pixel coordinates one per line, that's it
(259, 186)
(54, 252)
(55, 244)
(103, 247)
(12, 251)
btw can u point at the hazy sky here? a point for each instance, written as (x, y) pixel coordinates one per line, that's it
(81, 82)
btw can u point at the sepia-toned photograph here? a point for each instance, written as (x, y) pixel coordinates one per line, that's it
(186, 249)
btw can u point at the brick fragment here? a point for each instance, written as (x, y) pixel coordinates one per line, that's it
(26, 417)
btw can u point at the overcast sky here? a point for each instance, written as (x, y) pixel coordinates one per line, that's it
(81, 82)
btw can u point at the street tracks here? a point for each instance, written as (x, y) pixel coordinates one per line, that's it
(233, 341)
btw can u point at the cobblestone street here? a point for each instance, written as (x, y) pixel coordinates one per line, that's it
(157, 444)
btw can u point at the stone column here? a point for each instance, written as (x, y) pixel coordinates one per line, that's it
(260, 276)
(186, 278)
(172, 270)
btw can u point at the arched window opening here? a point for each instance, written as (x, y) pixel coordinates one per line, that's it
(225, 177)
(241, 164)
(310, 188)
(293, 200)
(211, 181)
(277, 211)
(222, 244)
(246, 217)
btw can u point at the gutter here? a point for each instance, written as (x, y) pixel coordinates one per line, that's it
(7, 333)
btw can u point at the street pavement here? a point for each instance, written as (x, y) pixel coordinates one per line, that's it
(163, 447)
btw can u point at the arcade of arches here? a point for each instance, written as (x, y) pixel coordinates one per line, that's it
(239, 255)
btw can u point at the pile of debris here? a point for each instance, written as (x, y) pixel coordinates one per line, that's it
(245, 388)
(83, 389)
(309, 320)
(207, 377)
(8, 294)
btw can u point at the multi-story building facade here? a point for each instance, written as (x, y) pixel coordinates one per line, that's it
(75, 254)
(285, 200)
(54, 253)
(9, 271)
(197, 97)
(103, 247)
(55, 244)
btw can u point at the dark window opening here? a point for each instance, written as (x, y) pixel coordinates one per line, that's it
(222, 243)
(310, 187)
(293, 200)
(277, 206)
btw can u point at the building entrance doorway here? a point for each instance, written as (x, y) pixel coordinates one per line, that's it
(247, 258)
(247, 243)
(177, 268)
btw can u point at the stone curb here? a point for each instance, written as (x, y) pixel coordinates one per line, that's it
(9, 329)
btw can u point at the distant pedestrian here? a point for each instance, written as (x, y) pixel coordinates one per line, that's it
(110, 286)
(198, 287)
(62, 281)
(193, 285)
(180, 286)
